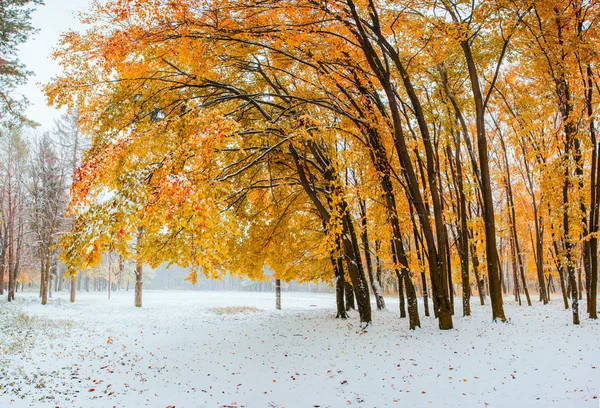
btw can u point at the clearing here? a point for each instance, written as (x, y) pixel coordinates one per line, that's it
(214, 349)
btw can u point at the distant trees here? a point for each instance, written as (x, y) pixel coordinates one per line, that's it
(14, 153)
(35, 174)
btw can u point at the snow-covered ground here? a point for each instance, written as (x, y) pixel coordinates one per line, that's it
(180, 351)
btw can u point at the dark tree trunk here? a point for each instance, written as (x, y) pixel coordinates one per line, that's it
(349, 292)
(401, 295)
(516, 290)
(437, 262)
(424, 285)
(579, 284)
(338, 268)
(517, 259)
(480, 283)
(347, 237)
(592, 244)
(492, 259)
(378, 264)
(375, 286)
(420, 249)
(449, 271)
(277, 294)
(379, 159)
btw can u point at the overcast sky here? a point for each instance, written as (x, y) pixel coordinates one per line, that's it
(53, 18)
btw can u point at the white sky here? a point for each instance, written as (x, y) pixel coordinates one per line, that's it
(51, 19)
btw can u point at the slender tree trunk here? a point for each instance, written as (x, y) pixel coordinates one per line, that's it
(365, 241)
(478, 278)
(437, 260)
(378, 265)
(73, 288)
(11, 274)
(349, 292)
(592, 243)
(338, 268)
(352, 258)
(425, 300)
(463, 233)
(49, 284)
(138, 283)
(486, 188)
(379, 159)
(277, 294)
(44, 278)
(401, 295)
(513, 254)
(568, 246)
(421, 257)
(449, 278)
(579, 284)
(3, 248)
(109, 273)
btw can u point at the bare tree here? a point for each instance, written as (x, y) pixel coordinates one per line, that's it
(48, 201)
(13, 150)
(71, 145)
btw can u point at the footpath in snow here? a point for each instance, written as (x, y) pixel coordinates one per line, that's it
(233, 349)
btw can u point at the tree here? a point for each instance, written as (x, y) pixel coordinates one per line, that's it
(15, 18)
(14, 153)
(48, 202)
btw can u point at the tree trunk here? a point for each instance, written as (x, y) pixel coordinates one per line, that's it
(480, 283)
(2, 277)
(44, 279)
(349, 293)
(3, 247)
(579, 283)
(379, 159)
(401, 295)
(592, 243)
(338, 269)
(347, 237)
(365, 241)
(73, 288)
(277, 294)
(138, 284)
(516, 290)
(486, 189)
(425, 300)
(437, 259)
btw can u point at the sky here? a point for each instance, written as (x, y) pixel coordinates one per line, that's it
(51, 19)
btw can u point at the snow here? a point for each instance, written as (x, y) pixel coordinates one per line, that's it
(178, 351)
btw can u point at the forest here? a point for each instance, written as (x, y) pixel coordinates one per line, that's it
(446, 148)
(420, 178)
(451, 144)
